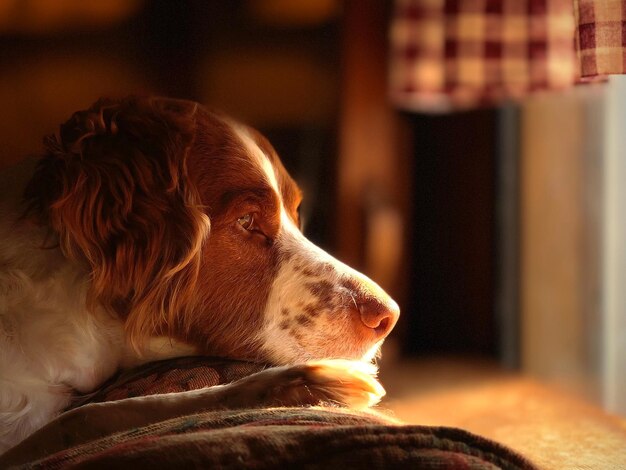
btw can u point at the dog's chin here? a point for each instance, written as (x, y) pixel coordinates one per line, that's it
(374, 352)
(369, 356)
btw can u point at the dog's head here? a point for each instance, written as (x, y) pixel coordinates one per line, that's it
(189, 225)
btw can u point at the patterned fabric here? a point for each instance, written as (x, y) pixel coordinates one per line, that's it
(287, 438)
(601, 36)
(448, 54)
(171, 375)
(306, 437)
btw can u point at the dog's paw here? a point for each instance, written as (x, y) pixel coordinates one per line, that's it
(331, 381)
(349, 383)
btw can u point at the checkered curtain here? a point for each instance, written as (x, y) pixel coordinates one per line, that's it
(458, 54)
(601, 36)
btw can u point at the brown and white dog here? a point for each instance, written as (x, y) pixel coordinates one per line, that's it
(153, 228)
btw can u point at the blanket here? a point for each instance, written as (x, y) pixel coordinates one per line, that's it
(305, 437)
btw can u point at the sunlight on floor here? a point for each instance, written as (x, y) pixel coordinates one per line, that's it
(552, 427)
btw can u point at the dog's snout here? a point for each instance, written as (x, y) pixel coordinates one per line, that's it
(378, 314)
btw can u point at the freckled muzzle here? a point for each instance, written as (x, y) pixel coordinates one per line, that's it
(372, 313)
(321, 308)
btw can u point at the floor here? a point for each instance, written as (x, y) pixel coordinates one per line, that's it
(552, 427)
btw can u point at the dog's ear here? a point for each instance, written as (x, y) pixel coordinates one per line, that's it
(114, 187)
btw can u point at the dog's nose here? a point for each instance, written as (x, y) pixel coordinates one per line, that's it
(378, 314)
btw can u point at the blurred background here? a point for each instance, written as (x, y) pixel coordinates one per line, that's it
(498, 227)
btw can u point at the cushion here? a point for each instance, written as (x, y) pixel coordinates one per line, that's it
(170, 375)
(305, 437)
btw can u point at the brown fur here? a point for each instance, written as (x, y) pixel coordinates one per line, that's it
(114, 187)
(129, 188)
(147, 192)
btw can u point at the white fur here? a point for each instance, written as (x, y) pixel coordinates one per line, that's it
(50, 345)
(261, 161)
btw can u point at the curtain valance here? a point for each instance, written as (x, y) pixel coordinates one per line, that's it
(456, 54)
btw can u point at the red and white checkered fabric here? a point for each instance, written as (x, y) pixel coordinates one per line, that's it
(457, 54)
(601, 36)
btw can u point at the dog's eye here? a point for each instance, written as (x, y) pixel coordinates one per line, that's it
(246, 221)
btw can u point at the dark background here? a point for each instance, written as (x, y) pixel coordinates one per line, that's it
(287, 75)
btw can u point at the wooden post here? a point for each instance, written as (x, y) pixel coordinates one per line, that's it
(373, 168)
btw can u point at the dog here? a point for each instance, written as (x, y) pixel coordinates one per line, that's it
(155, 228)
